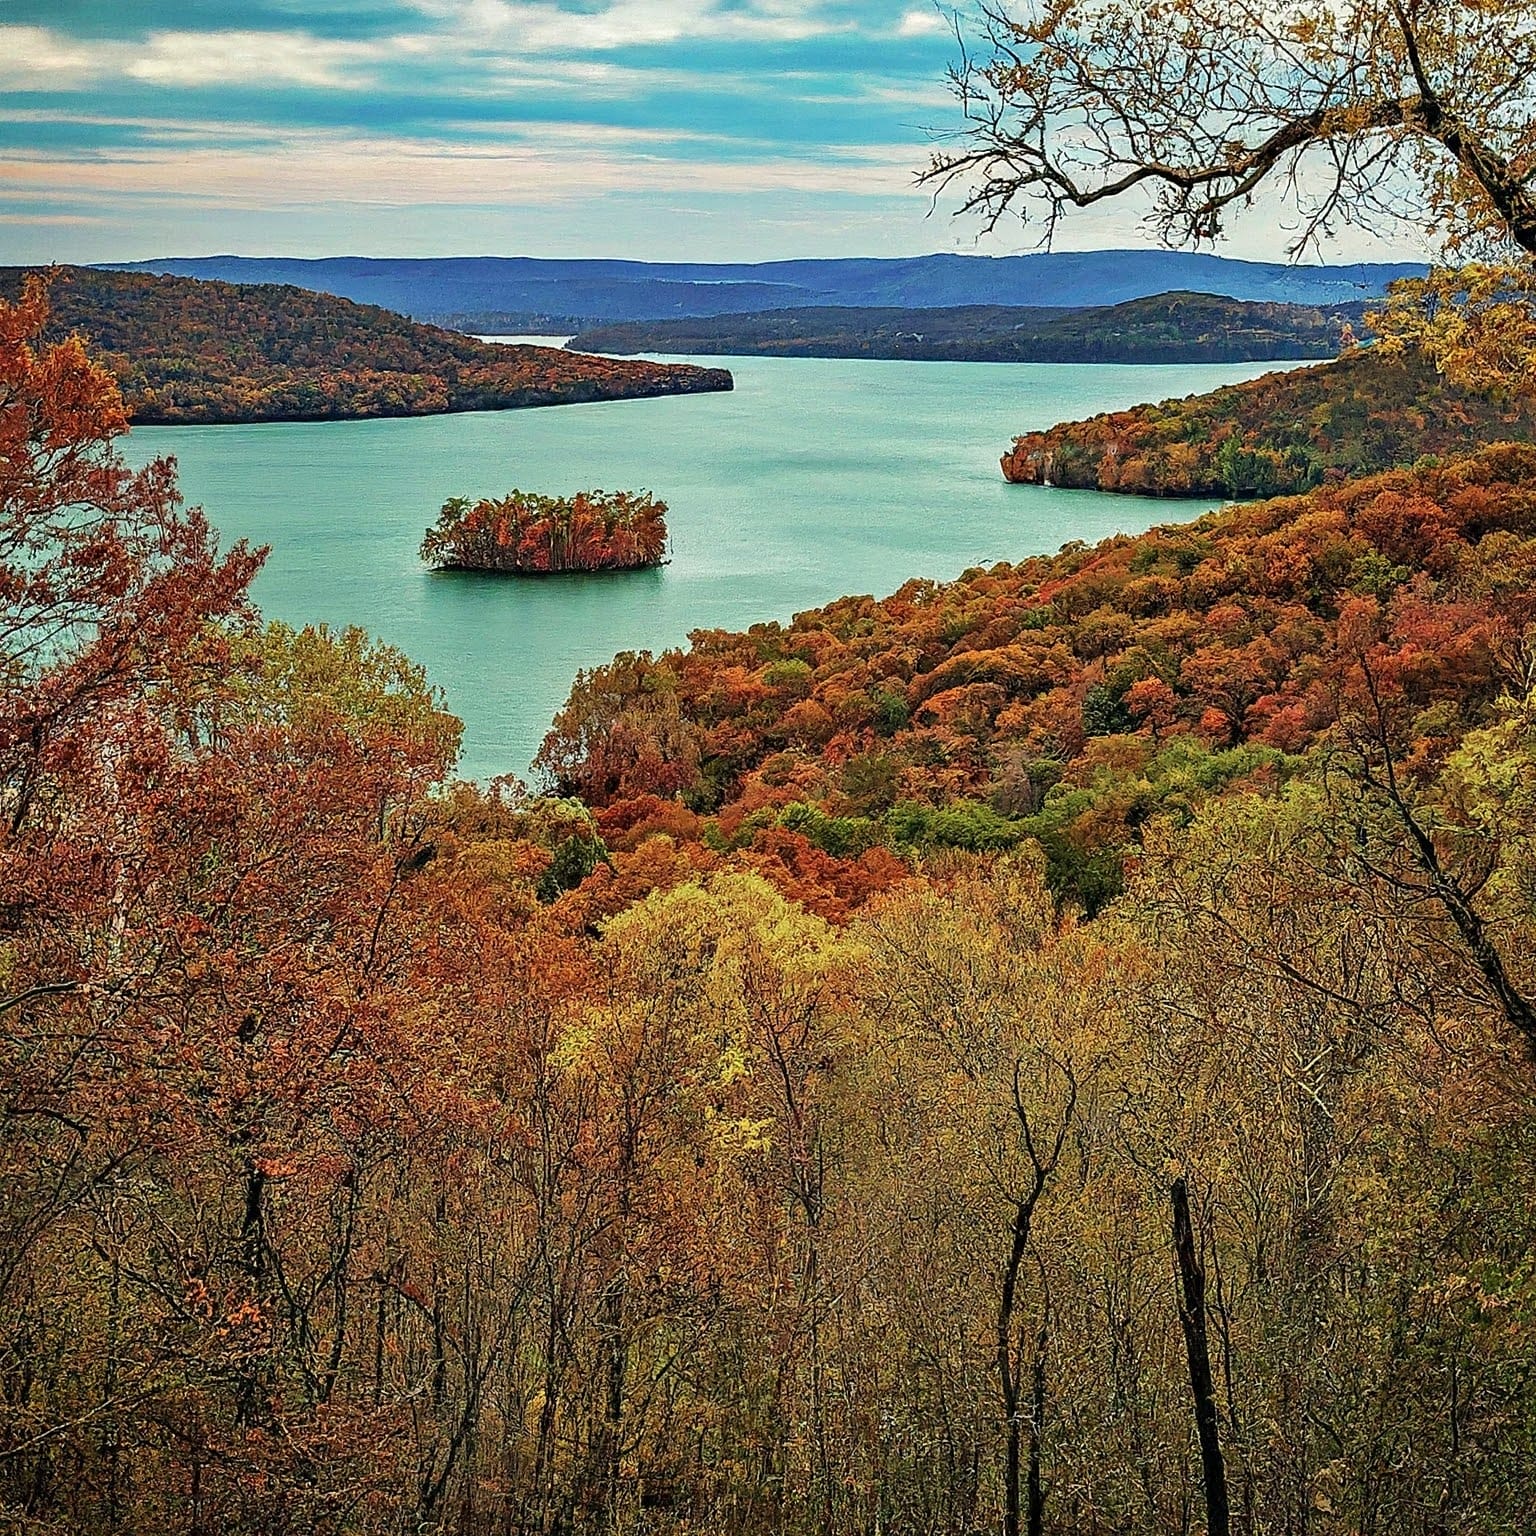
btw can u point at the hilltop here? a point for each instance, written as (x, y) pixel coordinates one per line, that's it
(1168, 328)
(516, 293)
(193, 352)
(1278, 434)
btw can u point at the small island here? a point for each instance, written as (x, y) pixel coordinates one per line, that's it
(530, 535)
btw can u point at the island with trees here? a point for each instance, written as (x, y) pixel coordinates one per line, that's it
(189, 352)
(524, 534)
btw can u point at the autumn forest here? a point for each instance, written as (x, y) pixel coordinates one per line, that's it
(1137, 939)
(1045, 1053)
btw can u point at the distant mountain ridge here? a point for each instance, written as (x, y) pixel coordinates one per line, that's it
(524, 290)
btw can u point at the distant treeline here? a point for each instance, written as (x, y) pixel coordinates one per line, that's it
(1171, 328)
(187, 351)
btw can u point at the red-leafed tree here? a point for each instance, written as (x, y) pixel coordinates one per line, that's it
(111, 596)
(107, 581)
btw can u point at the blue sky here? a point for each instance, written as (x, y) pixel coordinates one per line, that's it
(727, 130)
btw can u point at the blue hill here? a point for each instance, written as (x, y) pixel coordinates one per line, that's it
(486, 286)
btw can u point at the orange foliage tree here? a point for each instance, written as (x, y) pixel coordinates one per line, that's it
(201, 1004)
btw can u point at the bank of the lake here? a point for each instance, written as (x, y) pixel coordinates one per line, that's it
(815, 478)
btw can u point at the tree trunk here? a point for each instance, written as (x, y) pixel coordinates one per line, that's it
(1007, 1376)
(1036, 1489)
(1192, 1316)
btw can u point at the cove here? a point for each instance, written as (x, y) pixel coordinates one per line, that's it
(814, 479)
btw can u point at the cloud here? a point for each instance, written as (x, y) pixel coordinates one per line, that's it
(922, 24)
(194, 59)
(484, 43)
(35, 58)
(586, 135)
(62, 220)
(539, 26)
(319, 169)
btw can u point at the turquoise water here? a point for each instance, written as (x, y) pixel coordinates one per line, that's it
(813, 479)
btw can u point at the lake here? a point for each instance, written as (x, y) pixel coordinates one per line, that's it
(814, 479)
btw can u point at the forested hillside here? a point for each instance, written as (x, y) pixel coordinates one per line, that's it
(1170, 328)
(389, 1156)
(186, 351)
(1280, 434)
(1067, 701)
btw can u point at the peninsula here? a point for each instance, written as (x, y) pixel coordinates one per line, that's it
(1273, 436)
(190, 352)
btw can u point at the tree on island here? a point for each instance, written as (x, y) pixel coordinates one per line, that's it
(541, 535)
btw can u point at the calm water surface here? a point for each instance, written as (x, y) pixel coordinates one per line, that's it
(813, 479)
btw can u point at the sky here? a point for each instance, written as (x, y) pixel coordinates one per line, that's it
(701, 130)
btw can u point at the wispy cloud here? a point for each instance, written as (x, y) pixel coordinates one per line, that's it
(148, 129)
(541, 27)
(198, 59)
(36, 58)
(318, 169)
(65, 220)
